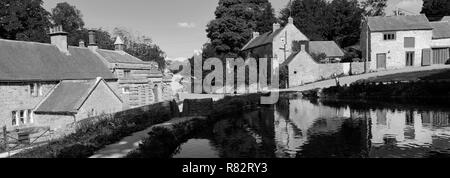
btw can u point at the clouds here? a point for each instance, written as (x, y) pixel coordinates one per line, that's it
(186, 25)
(414, 6)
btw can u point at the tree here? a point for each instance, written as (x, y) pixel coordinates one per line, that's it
(311, 17)
(436, 9)
(71, 20)
(141, 46)
(374, 7)
(24, 20)
(234, 23)
(345, 22)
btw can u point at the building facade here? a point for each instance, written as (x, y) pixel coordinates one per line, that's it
(396, 42)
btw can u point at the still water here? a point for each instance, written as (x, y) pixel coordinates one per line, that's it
(296, 128)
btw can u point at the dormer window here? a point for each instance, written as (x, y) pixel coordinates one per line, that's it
(389, 36)
(35, 90)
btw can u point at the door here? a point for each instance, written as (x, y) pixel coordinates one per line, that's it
(381, 61)
(440, 55)
(426, 57)
(409, 58)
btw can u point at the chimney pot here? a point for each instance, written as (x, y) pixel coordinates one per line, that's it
(59, 38)
(255, 34)
(291, 20)
(276, 26)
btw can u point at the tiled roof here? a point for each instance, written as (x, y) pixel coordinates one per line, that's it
(446, 19)
(399, 23)
(119, 57)
(330, 48)
(68, 96)
(441, 30)
(266, 38)
(29, 61)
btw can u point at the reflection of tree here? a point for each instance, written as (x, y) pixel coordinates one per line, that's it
(349, 141)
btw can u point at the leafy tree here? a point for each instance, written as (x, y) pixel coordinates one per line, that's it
(311, 17)
(71, 20)
(345, 22)
(24, 20)
(374, 7)
(234, 23)
(436, 9)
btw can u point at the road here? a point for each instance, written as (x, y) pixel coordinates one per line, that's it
(351, 79)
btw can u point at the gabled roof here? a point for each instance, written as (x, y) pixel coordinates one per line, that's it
(119, 57)
(399, 23)
(264, 39)
(445, 19)
(69, 96)
(330, 48)
(441, 30)
(29, 61)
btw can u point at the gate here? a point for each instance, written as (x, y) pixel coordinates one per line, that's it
(440, 55)
(21, 138)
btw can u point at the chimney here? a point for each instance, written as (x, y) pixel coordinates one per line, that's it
(81, 44)
(119, 45)
(276, 26)
(291, 20)
(92, 43)
(255, 35)
(59, 38)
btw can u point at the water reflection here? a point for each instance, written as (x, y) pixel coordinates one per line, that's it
(298, 128)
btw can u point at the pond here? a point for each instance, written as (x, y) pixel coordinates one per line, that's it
(299, 128)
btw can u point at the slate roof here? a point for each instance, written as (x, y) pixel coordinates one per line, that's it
(68, 96)
(330, 48)
(399, 23)
(264, 39)
(119, 57)
(29, 61)
(441, 30)
(445, 19)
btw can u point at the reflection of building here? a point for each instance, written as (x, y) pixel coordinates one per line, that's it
(408, 128)
(294, 125)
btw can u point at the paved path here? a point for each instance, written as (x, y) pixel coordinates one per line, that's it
(130, 143)
(351, 79)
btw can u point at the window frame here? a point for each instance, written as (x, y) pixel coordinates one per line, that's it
(387, 35)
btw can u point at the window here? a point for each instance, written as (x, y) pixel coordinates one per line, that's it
(126, 90)
(410, 58)
(21, 117)
(410, 42)
(36, 90)
(126, 73)
(389, 36)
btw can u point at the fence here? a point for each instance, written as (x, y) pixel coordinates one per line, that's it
(23, 138)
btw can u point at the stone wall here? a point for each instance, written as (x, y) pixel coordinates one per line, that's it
(16, 96)
(357, 68)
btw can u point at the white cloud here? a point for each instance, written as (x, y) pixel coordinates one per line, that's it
(179, 59)
(413, 6)
(186, 25)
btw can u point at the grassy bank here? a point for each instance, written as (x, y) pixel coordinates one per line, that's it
(95, 133)
(163, 141)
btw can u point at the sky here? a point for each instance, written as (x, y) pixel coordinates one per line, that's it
(177, 26)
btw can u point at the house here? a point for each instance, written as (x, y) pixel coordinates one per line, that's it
(63, 83)
(53, 85)
(140, 83)
(396, 42)
(281, 44)
(440, 44)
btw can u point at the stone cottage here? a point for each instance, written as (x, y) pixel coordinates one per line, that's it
(54, 79)
(140, 83)
(53, 85)
(279, 44)
(395, 42)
